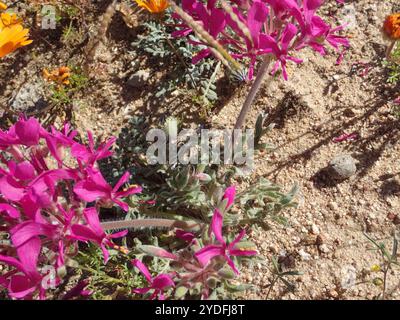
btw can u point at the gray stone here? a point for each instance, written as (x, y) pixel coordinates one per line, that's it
(343, 166)
(139, 79)
(29, 97)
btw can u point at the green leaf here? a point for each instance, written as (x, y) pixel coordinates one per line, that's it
(238, 288)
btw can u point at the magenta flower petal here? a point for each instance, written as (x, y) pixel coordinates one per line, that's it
(184, 235)
(78, 290)
(28, 131)
(121, 181)
(232, 265)
(24, 171)
(11, 189)
(24, 231)
(142, 290)
(256, 18)
(238, 253)
(83, 233)
(216, 226)
(20, 286)
(10, 210)
(117, 235)
(237, 239)
(207, 253)
(106, 254)
(129, 191)
(143, 269)
(162, 282)
(92, 218)
(28, 254)
(88, 191)
(201, 55)
(230, 194)
(12, 262)
(124, 206)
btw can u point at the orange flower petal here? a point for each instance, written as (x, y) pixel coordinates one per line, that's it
(392, 26)
(12, 37)
(153, 6)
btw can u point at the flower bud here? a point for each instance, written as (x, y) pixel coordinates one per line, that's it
(157, 252)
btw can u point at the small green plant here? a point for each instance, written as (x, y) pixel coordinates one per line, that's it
(158, 42)
(388, 262)
(190, 191)
(63, 94)
(393, 66)
(114, 280)
(278, 274)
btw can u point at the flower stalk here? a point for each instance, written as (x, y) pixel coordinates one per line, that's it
(255, 88)
(149, 223)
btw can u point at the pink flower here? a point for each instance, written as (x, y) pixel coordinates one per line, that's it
(256, 17)
(285, 8)
(185, 236)
(78, 290)
(281, 49)
(26, 279)
(262, 27)
(57, 141)
(40, 208)
(159, 284)
(222, 249)
(94, 232)
(346, 137)
(212, 20)
(89, 155)
(94, 187)
(229, 195)
(25, 132)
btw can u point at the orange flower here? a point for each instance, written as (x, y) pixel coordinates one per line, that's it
(153, 6)
(392, 26)
(8, 19)
(59, 75)
(3, 6)
(12, 38)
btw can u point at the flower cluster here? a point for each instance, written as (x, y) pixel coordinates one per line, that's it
(60, 75)
(51, 190)
(392, 26)
(250, 29)
(12, 33)
(201, 264)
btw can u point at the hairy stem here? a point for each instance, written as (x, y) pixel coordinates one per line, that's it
(390, 50)
(253, 92)
(149, 223)
(385, 274)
